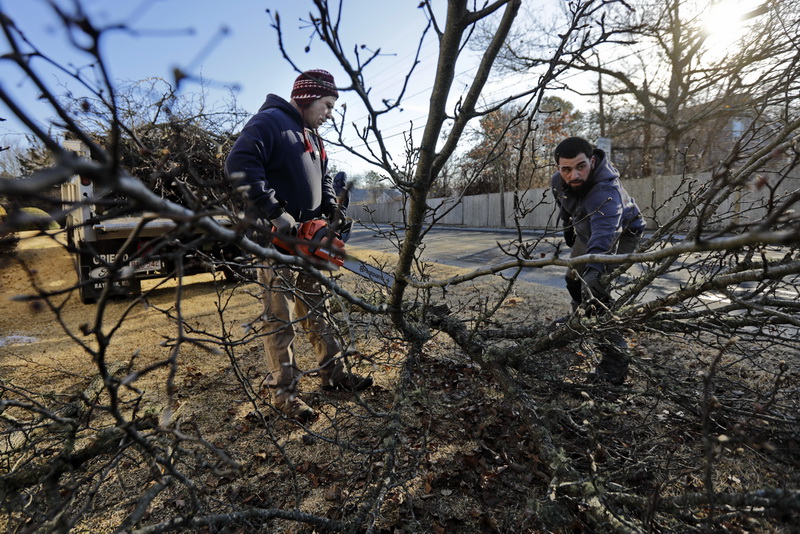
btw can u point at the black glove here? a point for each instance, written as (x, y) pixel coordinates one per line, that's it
(569, 236)
(335, 216)
(593, 286)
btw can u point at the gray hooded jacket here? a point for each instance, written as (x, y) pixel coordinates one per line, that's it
(599, 210)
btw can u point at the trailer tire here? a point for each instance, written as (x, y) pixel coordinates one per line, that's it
(239, 273)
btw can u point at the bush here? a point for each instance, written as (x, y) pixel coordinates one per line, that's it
(8, 240)
(36, 219)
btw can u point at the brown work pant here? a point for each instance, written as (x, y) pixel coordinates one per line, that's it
(286, 291)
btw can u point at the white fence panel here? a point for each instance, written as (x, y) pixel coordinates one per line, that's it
(660, 198)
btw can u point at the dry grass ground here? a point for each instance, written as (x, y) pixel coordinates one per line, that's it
(460, 456)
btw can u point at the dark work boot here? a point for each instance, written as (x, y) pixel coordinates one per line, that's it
(565, 319)
(348, 382)
(612, 371)
(613, 366)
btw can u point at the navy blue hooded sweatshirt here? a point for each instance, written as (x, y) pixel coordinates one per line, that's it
(283, 163)
(598, 210)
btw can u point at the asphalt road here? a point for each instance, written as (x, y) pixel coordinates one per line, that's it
(477, 248)
(473, 248)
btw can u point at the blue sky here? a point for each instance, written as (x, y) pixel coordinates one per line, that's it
(229, 44)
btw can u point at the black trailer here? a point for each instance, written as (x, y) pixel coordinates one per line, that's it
(116, 254)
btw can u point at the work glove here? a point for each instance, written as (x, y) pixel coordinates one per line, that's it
(284, 224)
(594, 287)
(569, 236)
(335, 216)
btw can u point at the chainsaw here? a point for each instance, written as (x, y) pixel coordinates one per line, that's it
(319, 243)
(315, 241)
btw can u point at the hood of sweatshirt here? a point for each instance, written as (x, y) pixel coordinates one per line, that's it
(274, 101)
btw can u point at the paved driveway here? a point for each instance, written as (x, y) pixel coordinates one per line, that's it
(473, 248)
(476, 248)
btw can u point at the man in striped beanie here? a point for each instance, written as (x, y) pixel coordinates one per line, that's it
(314, 93)
(311, 85)
(280, 158)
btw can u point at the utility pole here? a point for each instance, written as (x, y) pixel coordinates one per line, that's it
(601, 104)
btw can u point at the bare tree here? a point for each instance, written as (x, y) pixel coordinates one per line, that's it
(665, 89)
(716, 380)
(502, 158)
(9, 162)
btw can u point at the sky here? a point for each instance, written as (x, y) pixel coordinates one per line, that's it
(229, 44)
(232, 45)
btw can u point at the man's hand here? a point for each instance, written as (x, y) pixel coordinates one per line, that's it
(593, 285)
(569, 236)
(335, 216)
(284, 224)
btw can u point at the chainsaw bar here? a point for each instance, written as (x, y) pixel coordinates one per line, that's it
(314, 241)
(368, 271)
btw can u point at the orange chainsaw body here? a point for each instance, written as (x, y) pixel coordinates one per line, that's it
(315, 240)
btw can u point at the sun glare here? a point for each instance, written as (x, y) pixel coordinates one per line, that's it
(725, 26)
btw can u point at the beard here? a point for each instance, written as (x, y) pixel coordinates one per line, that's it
(577, 187)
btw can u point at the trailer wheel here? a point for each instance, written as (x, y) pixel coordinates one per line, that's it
(239, 273)
(235, 264)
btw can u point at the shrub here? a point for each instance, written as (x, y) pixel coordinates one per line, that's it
(8, 240)
(42, 221)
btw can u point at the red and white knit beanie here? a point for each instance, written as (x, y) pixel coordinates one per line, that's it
(311, 85)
